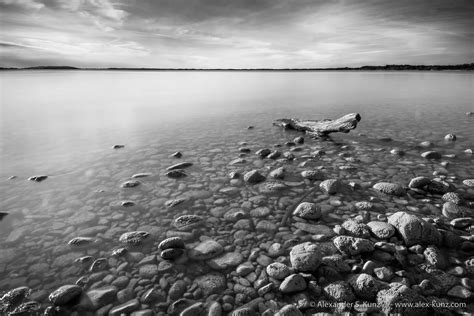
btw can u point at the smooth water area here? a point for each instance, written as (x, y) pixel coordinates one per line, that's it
(64, 123)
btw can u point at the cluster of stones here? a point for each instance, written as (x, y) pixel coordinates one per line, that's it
(236, 260)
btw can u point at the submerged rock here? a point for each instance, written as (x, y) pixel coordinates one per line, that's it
(205, 250)
(188, 222)
(81, 241)
(389, 188)
(65, 294)
(38, 178)
(134, 238)
(253, 177)
(431, 155)
(176, 174)
(130, 184)
(331, 186)
(212, 283)
(227, 260)
(307, 210)
(179, 166)
(312, 174)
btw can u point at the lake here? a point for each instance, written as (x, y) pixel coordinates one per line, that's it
(63, 124)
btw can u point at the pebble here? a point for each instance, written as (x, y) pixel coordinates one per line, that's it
(278, 270)
(293, 283)
(188, 222)
(389, 188)
(431, 155)
(134, 238)
(307, 210)
(205, 250)
(227, 260)
(254, 177)
(331, 186)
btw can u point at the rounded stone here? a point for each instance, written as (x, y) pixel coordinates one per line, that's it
(188, 222)
(65, 294)
(431, 155)
(452, 211)
(381, 230)
(171, 242)
(339, 291)
(356, 229)
(312, 175)
(389, 188)
(293, 283)
(305, 257)
(450, 137)
(365, 286)
(414, 230)
(171, 253)
(278, 270)
(254, 177)
(331, 186)
(212, 283)
(307, 210)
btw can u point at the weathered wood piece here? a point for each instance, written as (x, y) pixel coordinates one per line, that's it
(319, 128)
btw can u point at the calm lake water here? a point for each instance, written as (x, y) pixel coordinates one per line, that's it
(64, 123)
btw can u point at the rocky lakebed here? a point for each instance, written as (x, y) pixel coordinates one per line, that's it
(268, 222)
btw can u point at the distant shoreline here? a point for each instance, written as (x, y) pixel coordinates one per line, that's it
(363, 68)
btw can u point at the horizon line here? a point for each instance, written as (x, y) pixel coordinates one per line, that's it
(465, 66)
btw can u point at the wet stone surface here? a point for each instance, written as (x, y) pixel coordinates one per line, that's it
(144, 233)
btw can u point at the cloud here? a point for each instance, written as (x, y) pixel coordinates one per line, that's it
(24, 4)
(240, 33)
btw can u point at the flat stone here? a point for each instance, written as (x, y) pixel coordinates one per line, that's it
(227, 260)
(148, 271)
(176, 174)
(130, 184)
(260, 212)
(431, 155)
(205, 250)
(97, 298)
(180, 165)
(315, 229)
(212, 283)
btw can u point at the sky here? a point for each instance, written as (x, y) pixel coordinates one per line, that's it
(235, 33)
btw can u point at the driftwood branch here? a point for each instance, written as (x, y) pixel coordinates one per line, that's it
(321, 127)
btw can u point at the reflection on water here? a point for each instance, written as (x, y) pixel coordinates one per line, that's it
(64, 123)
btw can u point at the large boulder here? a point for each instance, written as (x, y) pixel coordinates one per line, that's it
(414, 230)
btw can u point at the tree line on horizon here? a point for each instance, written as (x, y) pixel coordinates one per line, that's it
(385, 67)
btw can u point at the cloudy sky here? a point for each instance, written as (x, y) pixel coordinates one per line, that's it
(235, 33)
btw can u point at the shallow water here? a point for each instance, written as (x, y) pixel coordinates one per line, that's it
(63, 124)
